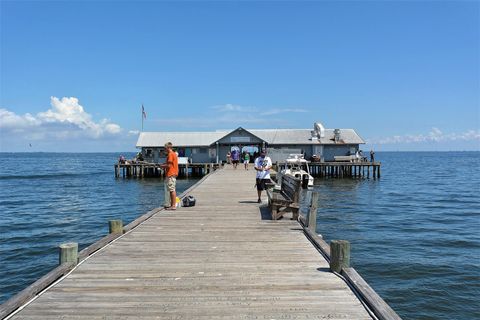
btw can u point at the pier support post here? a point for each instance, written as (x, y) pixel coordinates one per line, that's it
(68, 253)
(312, 214)
(115, 226)
(339, 255)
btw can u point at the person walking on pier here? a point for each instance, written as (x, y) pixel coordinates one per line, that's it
(171, 173)
(372, 156)
(246, 160)
(263, 164)
(235, 158)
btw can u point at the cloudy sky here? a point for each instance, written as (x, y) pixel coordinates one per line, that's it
(73, 75)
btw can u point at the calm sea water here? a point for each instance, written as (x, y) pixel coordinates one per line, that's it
(414, 233)
(47, 199)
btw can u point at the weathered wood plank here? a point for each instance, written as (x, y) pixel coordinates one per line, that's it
(31, 291)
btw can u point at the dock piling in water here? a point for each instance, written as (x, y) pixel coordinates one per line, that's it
(68, 253)
(312, 215)
(115, 226)
(339, 255)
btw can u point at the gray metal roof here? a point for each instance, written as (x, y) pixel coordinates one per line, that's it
(271, 136)
(179, 139)
(304, 136)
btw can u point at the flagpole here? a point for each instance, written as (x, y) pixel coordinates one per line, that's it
(142, 116)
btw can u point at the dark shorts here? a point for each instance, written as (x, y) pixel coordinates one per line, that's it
(261, 184)
(234, 161)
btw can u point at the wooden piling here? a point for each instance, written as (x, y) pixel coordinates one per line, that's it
(68, 253)
(115, 226)
(312, 214)
(339, 255)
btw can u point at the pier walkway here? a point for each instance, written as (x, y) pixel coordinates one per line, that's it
(222, 259)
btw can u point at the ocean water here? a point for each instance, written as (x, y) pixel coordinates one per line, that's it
(47, 199)
(414, 232)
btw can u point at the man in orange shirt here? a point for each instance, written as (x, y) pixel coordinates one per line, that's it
(171, 173)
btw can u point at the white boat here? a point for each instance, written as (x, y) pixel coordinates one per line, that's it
(297, 166)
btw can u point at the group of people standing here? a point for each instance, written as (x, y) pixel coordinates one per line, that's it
(235, 157)
(262, 165)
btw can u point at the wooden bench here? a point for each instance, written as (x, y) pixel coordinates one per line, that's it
(286, 197)
(351, 158)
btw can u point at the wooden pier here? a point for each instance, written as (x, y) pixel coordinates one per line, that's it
(339, 169)
(222, 259)
(147, 169)
(317, 169)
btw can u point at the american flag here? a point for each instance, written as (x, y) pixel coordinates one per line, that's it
(144, 114)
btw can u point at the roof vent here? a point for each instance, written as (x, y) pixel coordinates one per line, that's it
(336, 134)
(314, 135)
(319, 130)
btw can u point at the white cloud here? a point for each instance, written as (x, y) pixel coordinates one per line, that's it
(233, 107)
(10, 120)
(234, 120)
(435, 135)
(133, 132)
(65, 119)
(231, 115)
(284, 110)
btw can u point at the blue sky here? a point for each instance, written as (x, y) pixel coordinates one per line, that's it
(405, 75)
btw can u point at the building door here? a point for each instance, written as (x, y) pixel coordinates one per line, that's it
(318, 150)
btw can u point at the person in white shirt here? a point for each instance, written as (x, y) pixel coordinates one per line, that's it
(263, 164)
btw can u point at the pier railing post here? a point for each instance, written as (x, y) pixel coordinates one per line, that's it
(339, 255)
(312, 214)
(68, 253)
(115, 226)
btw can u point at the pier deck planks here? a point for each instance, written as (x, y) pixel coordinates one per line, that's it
(217, 260)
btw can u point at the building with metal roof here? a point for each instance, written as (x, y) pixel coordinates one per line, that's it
(205, 147)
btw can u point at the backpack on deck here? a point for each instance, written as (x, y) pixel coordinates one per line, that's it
(188, 201)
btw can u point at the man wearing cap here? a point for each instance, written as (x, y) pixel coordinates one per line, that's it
(171, 173)
(263, 164)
